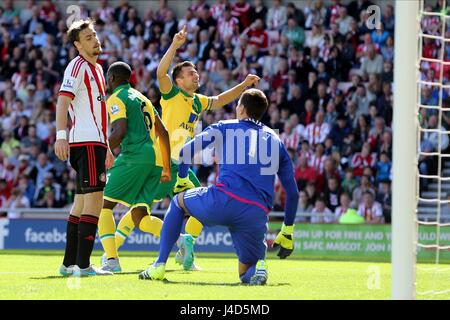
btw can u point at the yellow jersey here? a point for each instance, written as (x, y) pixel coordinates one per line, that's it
(180, 115)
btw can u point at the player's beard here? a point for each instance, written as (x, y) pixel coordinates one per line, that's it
(97, 51)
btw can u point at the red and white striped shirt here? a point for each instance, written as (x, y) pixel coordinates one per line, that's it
(317, 134)
(359, 163)
(86, 85)
(370, 212)
(226, 28)
(317, 162)
(291, 140)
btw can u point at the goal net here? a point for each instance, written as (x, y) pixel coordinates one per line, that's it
(433, 151)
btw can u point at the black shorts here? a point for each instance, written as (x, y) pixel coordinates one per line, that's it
(88, 160)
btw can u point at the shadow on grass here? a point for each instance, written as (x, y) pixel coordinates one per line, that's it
(216, 284)
(107, 277)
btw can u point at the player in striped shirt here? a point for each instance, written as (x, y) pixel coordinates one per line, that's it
(82, 95)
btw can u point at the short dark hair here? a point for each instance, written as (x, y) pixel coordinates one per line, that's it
(176, 71)
(76, 27)
(255, 103)
(120, 70)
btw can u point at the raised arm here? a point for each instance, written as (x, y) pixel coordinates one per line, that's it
(232, 94)
(165, 83)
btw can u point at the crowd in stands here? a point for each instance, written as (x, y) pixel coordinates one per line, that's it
(328, 76)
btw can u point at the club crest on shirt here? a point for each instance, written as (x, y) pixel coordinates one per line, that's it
(114, 109)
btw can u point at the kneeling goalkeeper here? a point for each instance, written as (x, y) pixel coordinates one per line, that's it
(250, 155)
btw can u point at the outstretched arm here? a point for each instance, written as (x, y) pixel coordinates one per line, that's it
(232, 94)
(165, 84)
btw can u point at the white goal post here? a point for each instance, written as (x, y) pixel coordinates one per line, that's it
(405, 166)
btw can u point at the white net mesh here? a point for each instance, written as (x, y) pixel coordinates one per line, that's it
(433, 110)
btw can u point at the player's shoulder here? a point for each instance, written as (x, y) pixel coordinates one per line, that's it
(75, 65)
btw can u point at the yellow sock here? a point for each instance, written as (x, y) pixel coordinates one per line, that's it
(124, 228)
(106, 228)
(193, 227)
(151, 225)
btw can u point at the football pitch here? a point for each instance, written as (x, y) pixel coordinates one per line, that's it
(33, 275)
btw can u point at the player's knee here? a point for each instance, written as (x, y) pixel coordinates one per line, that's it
(179, 201)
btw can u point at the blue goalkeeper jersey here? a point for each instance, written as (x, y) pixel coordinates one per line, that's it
(249, 156)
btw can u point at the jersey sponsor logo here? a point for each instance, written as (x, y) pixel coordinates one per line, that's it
(187, 127)
(101, 98)
(69, 83)
(114, 109)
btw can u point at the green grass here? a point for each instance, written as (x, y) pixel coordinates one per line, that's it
(33, 275)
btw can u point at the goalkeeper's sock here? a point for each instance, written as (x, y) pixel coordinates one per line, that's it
(106, 228)
(245, 278)
(70, 255)
(151, 225)
(124, 228)
(193, 227)
(171, 230)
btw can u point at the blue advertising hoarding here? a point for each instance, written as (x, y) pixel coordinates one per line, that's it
(51, 234)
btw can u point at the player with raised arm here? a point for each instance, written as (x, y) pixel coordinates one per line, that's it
(144, 161)
(82, 94)
(181, 111)
(250, 155)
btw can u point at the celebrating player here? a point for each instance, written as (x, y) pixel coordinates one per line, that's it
(181, 110)
(243, 195)
(82, 94)
(134, 178)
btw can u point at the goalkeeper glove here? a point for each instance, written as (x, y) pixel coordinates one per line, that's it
(182, 184)
(285, 241)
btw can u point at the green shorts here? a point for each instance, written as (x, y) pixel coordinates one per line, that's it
(166, 189)
(133, 185)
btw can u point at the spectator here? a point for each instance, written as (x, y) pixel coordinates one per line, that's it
(344, 205)
(320, 213)
(257, 36)
(344, 21)
(332, 193)
(318, 131)
(276, 16)
(384, 166)
(373, 62)
(385, 199)
(304, 173)
(241, 10)
(370, 209)
(294, 33)
(47, 194)
(40, 170)
(9, 143)
(17, 201)
(363, 159)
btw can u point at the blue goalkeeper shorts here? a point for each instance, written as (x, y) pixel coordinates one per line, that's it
(246, 221)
